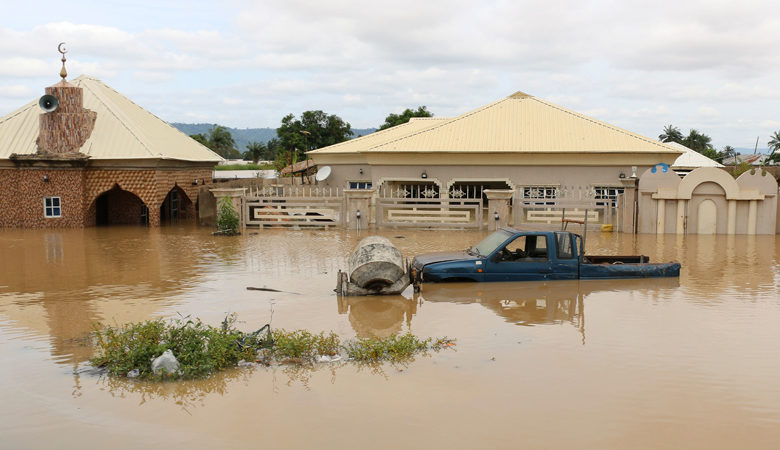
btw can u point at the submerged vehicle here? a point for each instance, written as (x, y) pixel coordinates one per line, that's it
(513, 255)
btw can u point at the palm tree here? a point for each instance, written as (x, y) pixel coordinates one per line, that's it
(697, 141)
(255, 151)
(671, 134)
(774, 146)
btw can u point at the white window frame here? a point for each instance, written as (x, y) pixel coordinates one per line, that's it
(48, 209)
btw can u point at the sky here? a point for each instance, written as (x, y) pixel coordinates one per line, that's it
(707, 65)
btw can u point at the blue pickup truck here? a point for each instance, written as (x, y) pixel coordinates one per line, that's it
(512, 255)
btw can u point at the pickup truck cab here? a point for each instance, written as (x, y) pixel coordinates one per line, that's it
(512, 255)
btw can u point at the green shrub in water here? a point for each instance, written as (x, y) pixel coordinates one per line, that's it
(200, 349)
(395, 348)
(227, 217)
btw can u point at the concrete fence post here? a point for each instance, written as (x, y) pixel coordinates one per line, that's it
(498, 207)
(357, 209)
(629, 212)
(237, 199)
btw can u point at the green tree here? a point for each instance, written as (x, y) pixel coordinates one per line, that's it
(397, 119)
(255, 151)
(315, 129)
(774, 146)
(203, 140)
(697, 141)
(671, 134)
(729, 152)
(222, 142)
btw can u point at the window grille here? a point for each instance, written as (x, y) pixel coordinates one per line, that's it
(607, 195)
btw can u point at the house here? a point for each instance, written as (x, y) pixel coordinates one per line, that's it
(93, 157)
(519, 143)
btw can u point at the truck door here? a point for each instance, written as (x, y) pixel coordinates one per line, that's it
(525, 258)
(565, 265)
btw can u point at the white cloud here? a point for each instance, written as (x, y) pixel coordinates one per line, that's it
(641, 65)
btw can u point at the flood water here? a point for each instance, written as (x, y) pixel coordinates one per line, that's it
(688, 363)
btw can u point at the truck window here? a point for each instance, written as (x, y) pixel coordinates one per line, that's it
(565, 247)
(525, 248)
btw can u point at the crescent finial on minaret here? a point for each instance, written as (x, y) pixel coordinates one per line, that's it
(61, 48)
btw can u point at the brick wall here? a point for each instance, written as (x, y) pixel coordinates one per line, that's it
(22, 191)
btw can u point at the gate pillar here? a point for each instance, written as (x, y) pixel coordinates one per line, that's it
(236, 197)
(357, 209)
(498, 207)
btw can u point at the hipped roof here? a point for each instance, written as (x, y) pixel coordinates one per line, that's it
(691, 159)
(123, 130)
(519, 123)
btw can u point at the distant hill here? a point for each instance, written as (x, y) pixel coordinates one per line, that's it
(244, 136)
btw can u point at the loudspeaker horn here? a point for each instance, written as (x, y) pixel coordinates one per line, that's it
(48, 103)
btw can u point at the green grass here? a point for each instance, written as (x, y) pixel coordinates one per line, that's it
(202, 349)
(245, 167)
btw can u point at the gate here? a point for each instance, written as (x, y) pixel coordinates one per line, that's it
(291, 206)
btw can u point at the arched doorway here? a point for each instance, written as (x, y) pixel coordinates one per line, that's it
(120, 207)
(176, 206)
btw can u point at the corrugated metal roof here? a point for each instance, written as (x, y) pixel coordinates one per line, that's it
(691, 158)
(518, 123)
(381, 137)
(123, 130)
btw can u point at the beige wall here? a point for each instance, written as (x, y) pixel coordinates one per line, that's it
(517, 176)
(668, 204)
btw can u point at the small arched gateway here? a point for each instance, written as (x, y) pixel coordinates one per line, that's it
(708, 200)
(119, 207)
(95, 157)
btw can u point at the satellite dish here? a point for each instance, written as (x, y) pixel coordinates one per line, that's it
(48, 103)
(323, 173)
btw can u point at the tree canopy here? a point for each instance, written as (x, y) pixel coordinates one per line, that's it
(774, 147)
(671, 134)
(315, 129)
(220, 141)
(695, 140)
(397, 119)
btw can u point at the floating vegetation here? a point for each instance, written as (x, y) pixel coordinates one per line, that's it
(186, 348)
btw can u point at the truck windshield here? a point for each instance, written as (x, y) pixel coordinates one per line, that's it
(490, 243)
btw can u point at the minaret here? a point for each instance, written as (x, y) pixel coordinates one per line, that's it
(65, 125)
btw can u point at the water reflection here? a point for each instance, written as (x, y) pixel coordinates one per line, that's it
(377, 316)
(536, 303)
(59, 283)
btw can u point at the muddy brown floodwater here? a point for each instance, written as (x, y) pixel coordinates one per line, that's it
(688, 363)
